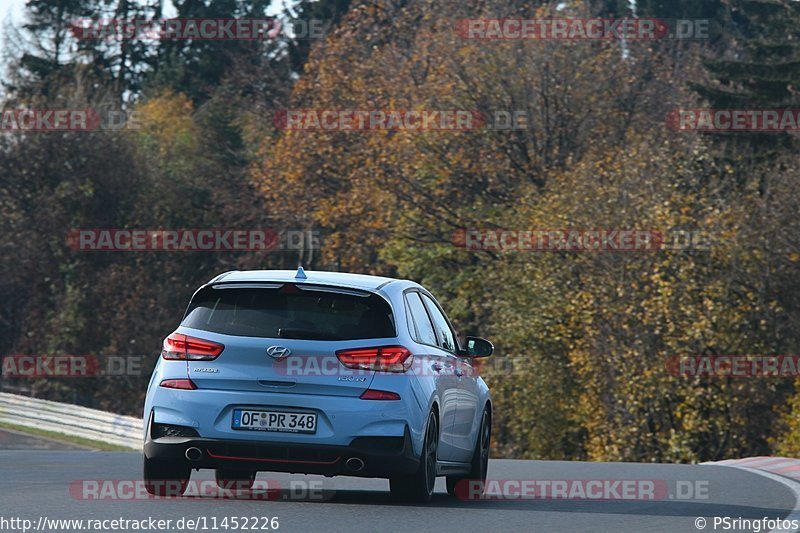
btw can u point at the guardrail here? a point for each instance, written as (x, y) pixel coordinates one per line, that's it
(70, 419)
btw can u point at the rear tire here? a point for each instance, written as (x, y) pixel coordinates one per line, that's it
(232, 479)
(167, 479)
(480, 460)
(418, 487)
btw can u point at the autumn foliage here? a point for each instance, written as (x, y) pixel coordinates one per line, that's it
(582, 339)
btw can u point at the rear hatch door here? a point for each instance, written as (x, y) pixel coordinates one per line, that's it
(283, 337)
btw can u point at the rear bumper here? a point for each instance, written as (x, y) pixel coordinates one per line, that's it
(381, 456)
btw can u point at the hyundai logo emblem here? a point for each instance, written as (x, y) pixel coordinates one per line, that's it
(278, 352)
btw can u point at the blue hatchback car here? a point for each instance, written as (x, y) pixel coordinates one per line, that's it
(317, 373)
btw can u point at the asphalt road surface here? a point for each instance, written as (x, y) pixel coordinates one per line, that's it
(53, 484)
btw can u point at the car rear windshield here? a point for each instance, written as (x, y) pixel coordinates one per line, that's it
(313, 313)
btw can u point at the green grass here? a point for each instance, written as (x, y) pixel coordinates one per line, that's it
(90, 443)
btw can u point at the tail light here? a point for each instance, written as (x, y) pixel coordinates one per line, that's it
(183, 384)
(372, 394)
(381, 359)
(183, 347)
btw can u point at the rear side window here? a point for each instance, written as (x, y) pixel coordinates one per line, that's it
(290, 312)
(446, 339)
(421, 329)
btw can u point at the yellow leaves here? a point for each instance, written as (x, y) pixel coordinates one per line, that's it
(595, 328)
(166, 123)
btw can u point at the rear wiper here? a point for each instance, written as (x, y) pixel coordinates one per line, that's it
(309, 334)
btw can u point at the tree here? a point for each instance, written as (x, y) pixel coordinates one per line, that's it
(44, 64)
(586, 337)
(197, 66)
(326, 12)
(760, 71)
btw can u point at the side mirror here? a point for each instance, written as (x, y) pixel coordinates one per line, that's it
(478, 347)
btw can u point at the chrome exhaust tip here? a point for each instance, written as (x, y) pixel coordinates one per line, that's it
(355, 464)
(194, 454)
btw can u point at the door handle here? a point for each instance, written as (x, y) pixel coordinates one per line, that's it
(276, 383)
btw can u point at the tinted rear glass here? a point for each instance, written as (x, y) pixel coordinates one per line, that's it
(290, 313)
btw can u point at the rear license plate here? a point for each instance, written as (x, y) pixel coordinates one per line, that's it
(284, 421)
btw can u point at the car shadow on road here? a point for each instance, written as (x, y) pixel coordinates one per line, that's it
(639, 507)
